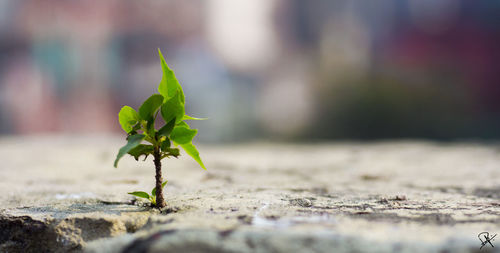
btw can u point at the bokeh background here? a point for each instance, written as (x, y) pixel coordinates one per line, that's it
(261, 69)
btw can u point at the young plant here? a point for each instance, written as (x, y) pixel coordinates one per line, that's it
(162, 142)
(145, 195)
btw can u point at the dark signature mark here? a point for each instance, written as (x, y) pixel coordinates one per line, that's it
(487, 239)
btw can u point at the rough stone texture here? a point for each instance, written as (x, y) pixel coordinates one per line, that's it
(62, 194)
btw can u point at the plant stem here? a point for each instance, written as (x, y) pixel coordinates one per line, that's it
(160, 201)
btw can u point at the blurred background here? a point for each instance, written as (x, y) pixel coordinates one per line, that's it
(263, 69)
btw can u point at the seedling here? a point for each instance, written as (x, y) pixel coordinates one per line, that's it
(145, 195)
(162, 142)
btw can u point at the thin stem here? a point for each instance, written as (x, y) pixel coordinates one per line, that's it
(160, 201)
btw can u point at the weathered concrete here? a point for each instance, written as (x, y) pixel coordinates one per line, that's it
(62, 194)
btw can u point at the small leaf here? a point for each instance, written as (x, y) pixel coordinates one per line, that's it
(173, 108)
(165, 145)
(187, 117)
(172, 152)
(141, 149)
(182, 134)
(183, 124)
(135, 128)
(150, 106)
(150, 127)
(166, 129)
(153, 192)
(133, 141)
(169, 84)
(140, 194)
(128, 117)
(193, 152)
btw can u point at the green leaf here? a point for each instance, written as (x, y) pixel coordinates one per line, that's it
(150, 127)
(183, 124)
(193, 152)
(133, 141)
(165, 145)
(140, 194)
(182, 134)
(167, 129)
(173, 108)
(153, 192)
(150, 106)
(141, 149)
(169, 84)
(172, 152)
(135, 128)
(128, 117)
(187, 117)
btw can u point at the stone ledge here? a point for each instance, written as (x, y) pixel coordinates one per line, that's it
(364, 197)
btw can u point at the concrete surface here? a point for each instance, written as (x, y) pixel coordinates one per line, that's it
(62, 194)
